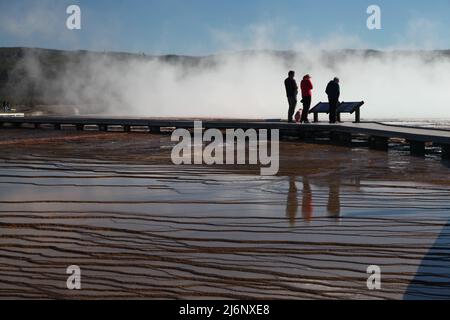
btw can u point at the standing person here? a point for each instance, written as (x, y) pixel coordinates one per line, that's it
(333, 91)
(291, 93)
(306, 86)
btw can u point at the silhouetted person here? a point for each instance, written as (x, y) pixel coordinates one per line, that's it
(306, 86)
(292, 201)
(333, 91)
(291, 93)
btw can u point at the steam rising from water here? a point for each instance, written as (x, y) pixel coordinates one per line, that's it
(248, 84)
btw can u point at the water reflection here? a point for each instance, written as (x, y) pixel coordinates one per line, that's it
(292, 201)
(170, 228)
(334, 202)
(307, 205)
(446, 163)
(333, 206)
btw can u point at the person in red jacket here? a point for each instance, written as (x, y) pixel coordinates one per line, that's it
(306, 86)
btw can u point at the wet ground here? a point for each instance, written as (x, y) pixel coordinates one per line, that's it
(140, 227)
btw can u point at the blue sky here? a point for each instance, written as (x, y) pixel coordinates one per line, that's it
(208, 26)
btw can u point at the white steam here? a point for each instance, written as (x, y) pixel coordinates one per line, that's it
(250, 84)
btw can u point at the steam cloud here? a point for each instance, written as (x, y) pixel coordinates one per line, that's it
(248, 84)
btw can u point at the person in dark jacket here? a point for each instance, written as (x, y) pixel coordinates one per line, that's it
(291, 93)
(306, 86)
(333, 91)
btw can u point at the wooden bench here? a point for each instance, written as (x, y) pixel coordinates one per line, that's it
(344, 107)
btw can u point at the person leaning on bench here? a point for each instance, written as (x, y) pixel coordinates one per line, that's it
(291, 93)
(333, 91)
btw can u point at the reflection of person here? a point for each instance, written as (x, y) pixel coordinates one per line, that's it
(333, 91)
(306, 86)
(292, 201)
(334, 202)
(307, 206)
(291, 93)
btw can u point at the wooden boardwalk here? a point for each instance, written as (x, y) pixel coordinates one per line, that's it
(377, 134)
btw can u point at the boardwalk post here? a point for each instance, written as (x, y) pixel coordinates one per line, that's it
(303, 135)
(37, 125)
(102, 127)
(126, 128)
(445, 151)
(300, 134)
(334, 136)
(155, 129)
(341, 137)
(58, 126)
(417, 148)
(378, 143)
(346, 137)
(80, 127)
